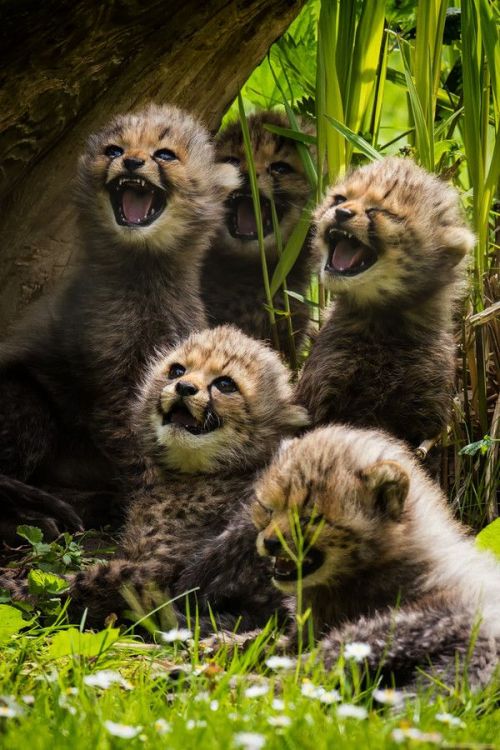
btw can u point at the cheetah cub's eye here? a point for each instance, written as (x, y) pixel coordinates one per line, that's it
(176, 371)
(230, 160)
(337, 199)
(113, 151)
(225, 384)
(281, 167)
(165, 154)
(265, 508)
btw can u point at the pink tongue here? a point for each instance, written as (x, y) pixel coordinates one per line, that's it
(246, 217)
(346, 256)
(136, 206)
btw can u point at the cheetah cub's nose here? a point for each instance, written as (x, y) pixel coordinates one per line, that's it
(132, 163)
(273, 546)
(183, 388)
(342, 214)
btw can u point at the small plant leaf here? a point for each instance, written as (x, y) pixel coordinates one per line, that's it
(489, 538)
(73, 642)
(32, 534)
(11, 621)
(41, 583)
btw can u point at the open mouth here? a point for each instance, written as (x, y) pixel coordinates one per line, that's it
(180, 416)
(135, 201)
(286, 569)
(240, 217)
(347, 255)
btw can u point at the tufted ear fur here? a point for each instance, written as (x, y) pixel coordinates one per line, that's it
(227, 178)
(389, 484)
(296, 417)
(457, 242)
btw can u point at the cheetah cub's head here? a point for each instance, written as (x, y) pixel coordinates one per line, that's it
(218, 402)
(390, 232)
(149, 180)
(331, 504)
(280, 176)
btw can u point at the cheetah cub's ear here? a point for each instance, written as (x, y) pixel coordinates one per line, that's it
(227, 178)
(457, 242)
(389, 484)
(296, 417)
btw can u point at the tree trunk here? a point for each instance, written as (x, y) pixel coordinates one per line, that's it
(67, 66)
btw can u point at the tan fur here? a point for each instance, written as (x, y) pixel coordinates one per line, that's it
(68, 372)
(391, 551)
(385, 356)
(176, 515)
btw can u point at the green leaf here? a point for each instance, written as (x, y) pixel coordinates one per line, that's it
(41, 583)
(11, 621)
(32, 534)
(489, 538)
(292, 249)
(73, 642)
(293, 135)
(355, 139)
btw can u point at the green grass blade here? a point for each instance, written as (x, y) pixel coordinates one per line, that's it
(292, 248)
(355, 140)
(423, 137)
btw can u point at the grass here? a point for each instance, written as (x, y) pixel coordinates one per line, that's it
(179, 696)
(376, 77)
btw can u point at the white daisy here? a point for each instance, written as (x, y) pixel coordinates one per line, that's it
(389, 697)
(412, 733)
(280, 662)
(162, 726)
(349, 711)
(256, 691)
(452, 721)
(105, 678)
(125, 731)
(249, 740)
(357, 651)
(177, 635)
(279, 721)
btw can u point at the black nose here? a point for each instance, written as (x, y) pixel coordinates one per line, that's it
(342, 214)
(273, 546)
(132, 163)
(183, 388)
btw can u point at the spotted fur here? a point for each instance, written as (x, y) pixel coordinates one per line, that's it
(385, 356)
(232, 285)
(392, 567)
(176, 515)
(69, 371)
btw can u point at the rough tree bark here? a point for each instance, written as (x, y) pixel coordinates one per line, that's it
(68, 65)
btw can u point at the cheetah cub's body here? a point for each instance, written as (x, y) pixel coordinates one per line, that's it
(149, 198)
(385, 563)
(211, 413)
(393, 241)
(232, 285)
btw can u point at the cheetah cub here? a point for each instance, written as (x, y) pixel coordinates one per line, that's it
(149, 198)
(232, 285)
(393, 241)
(211, 412)
(384, 561)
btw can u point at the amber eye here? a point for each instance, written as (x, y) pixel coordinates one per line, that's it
(337, 199)
(281, 167)
(225, 385)
(176, 371)
(113, 151)
(230, 160)
(165, 154)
